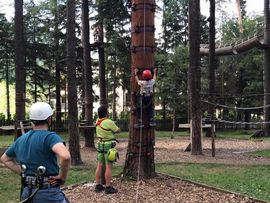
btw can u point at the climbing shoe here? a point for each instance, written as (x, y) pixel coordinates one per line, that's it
(138, 124)
(110, 190)
(99, 188)
(152, 123)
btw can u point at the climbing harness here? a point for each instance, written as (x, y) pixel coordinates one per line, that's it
(34, 182)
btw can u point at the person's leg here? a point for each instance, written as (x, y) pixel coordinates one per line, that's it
(98, 173)
(150, 112)
(101, 160)
(108, 176)
(138, 123)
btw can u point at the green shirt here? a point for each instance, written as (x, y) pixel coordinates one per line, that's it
(105, 129)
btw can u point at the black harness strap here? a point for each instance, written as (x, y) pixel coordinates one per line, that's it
(143, 6)
(143, 48)
(146, 28)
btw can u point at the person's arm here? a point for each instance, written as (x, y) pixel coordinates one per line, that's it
(136, 75)
(155, 74)
(64, 157)
(10, 162)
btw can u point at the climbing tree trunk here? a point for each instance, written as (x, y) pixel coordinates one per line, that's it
(194, 76)
(19, 61)
(88, 81)
(74, 145)
(140, 154)
(211, 67)
(267, 67)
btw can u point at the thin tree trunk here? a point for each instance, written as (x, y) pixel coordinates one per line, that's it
(7, 91)
(267, 67)
(114, 115)
(240, 23)
(58, 116)
(194, 75)
(140, 154)
(102, 69)
(212, 63)
(74, 144)
(19, 61)
(88, 80)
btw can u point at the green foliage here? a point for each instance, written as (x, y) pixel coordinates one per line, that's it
(245, 179)
(172, 80)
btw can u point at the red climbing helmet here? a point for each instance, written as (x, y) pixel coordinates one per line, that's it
(146, 75)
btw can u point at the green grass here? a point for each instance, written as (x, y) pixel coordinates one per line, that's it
(261, 153)
(235, 134)
(6, 141)
(253, 181)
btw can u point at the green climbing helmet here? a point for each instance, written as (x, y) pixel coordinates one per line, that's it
(113, 155)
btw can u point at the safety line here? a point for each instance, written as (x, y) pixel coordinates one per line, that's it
(243, 123)
(236, 108)
(140, 150)
(139, 164)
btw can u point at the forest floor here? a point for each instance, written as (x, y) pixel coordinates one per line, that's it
(167, 189)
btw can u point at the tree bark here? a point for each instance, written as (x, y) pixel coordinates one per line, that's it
(74, 144)
(102, 68)
(140, 154)
(211, 67)
(194, 76)
(88, 80)
(58, 116)
(7, 91)
(19, 61)
(267, 67)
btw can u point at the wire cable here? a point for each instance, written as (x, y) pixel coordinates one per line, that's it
(140, 143)
(235, 107)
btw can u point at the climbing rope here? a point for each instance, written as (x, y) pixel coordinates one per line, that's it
(235, 107)
(242, 123)
(140, 151)
(140, 143)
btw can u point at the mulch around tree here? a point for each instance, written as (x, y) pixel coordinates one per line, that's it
(168, 189)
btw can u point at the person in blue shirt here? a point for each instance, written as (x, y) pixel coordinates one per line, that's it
(40, 151)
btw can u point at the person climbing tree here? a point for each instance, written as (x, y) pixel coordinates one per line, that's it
(107, 154)
(144, 98)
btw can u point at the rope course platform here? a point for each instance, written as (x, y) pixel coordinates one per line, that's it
(256, 40)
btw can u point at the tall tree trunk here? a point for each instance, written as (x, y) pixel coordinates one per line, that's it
(140, 154)
(19, 61)
(212, 63)
(102, 68)
(74, 144)
(88, 80)
(58, 116)
(194, 76)
(7, 91)
(240, 23)
(114, 115)
(267, 67)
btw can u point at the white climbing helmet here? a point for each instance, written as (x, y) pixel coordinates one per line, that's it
(40, 111)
